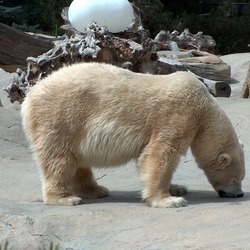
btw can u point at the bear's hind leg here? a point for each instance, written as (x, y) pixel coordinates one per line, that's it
(58, 171)
(85, 185)
(157, 164)
(57, 193)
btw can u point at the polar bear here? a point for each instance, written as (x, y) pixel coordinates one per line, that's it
(98, 115)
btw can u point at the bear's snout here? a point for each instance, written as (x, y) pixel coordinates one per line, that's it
(224, 194)
(240, 195)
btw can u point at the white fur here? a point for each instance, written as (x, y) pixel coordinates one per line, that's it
(96, 115)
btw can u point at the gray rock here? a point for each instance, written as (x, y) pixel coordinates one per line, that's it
(120, 221)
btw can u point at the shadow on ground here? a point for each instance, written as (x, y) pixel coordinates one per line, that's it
(194, 197)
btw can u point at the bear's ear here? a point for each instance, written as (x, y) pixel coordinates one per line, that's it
(223, 160)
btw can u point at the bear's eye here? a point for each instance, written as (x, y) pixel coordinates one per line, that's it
(236, 183)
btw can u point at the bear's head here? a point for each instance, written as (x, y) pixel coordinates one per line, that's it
(220, 155)
(227, 172)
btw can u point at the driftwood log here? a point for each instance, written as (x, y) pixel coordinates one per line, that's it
(132, 49)
(246, 85)
(201, 63)
(207, 65)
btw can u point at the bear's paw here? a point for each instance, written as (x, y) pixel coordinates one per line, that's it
(63, 201)
(169, 202)
(96, 192)
(177, 190)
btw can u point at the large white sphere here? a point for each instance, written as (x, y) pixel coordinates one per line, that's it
(117, 15)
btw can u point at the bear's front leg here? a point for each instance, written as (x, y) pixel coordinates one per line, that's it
(157, 164)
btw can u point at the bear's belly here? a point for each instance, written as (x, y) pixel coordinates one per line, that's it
(110, 143)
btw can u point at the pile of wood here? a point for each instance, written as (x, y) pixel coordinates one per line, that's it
(131, 49)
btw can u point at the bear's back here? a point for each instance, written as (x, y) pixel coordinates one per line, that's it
(105, 79)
